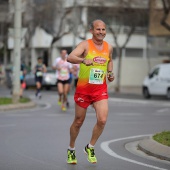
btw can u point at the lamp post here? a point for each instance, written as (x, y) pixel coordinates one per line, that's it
(17, 52)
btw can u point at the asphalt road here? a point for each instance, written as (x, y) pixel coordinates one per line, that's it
(37, 138)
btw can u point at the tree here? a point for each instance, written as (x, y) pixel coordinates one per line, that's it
(49, 15)
(129, 19)
(166, 10)
(123, 17)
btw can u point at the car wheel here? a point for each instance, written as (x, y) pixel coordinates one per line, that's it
(146, 94)
(48, 88)
(168, 94)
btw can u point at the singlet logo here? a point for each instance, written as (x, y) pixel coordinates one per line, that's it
(99, 60)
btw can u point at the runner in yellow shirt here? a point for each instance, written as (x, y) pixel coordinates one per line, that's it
(96, 64)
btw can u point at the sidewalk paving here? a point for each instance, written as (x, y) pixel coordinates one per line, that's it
(148, 146)
(153, 148)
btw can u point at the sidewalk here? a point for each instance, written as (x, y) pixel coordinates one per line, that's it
(5, 92)
(153, 148)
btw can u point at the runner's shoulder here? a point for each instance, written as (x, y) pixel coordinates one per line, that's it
(83, 44)
(110, 47)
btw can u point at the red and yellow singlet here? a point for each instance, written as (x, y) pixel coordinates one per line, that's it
(92, 79)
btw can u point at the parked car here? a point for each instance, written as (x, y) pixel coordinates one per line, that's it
(157, 82)
(49, 79)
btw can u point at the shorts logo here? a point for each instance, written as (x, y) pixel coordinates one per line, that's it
(104, 94)
(80, 99)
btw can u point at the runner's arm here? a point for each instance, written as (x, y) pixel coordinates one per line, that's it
(44, 68)
(75, 57)
(110, 74)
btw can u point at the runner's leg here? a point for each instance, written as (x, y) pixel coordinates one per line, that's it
(101, 108)
(66, 90)
(60, 91)
(80, 114)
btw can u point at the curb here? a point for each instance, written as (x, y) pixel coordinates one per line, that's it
(153, 148)
(17, 106)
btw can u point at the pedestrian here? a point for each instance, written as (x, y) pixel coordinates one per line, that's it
(95, 59)
(63, 69)
(23, 72)
(39, 70)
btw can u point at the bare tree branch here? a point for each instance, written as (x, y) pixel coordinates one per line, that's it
(132, 29)
(60, 33)
(114, 35)
(166, 9)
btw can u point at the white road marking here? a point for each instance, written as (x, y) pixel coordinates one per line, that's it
(163, 110)
(145, 102)
(105, 147)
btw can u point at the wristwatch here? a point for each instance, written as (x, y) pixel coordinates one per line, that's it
(110, 73)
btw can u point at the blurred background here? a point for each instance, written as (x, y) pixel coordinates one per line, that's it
(138, 30)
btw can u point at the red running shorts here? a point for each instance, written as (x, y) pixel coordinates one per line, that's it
(85, 100)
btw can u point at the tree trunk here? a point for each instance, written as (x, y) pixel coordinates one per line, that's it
(119, 54)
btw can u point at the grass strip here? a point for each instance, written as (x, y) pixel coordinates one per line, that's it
(7, 100)
(163, 138)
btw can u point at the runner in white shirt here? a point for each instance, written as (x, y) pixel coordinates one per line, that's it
(63, 69)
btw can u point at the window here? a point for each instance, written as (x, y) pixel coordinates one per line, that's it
(154, 73)
(133, 52)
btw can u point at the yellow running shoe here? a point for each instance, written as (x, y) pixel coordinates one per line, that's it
(71, 157)
(90, 154)
(63, 108)
(59, 103)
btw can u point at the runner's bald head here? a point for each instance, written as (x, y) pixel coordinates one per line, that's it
(91, 27)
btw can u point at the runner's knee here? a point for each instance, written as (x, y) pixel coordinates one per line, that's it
(60, 94)
(101, 122)
(78, 122)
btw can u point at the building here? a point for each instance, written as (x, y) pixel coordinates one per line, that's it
(138, 56)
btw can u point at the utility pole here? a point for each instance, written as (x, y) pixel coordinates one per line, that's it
(17, 52)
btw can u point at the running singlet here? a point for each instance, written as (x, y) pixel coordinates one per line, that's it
(39, 70)
(92, 79)
(63, 73)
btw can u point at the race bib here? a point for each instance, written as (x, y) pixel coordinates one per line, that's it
(64, 73)
(39, 74)
(96, 76)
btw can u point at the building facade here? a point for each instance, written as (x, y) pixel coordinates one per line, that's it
(139, 55)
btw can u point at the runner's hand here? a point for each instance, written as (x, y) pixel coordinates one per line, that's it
(88, 62)
(110, 76)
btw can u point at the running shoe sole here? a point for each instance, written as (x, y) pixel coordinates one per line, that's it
(87, 157)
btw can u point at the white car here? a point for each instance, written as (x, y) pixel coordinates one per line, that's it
(157, 82)
(49, 79)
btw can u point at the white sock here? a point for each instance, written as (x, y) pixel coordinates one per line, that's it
(72, 149)
(90, 146)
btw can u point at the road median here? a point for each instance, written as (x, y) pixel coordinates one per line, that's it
(17, 106)
(153, 148)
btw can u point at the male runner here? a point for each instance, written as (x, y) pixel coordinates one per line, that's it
(95, 59)
(39, 70)
(63, 75)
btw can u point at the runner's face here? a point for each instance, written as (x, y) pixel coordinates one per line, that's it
(63, 54)
(40, 61)
(99, 31)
